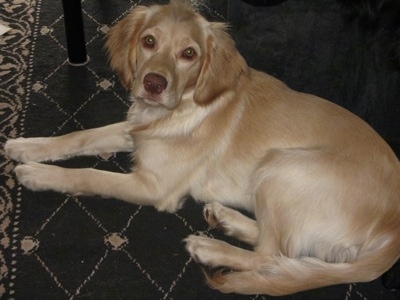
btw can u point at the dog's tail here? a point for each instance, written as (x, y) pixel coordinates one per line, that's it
(281, 275)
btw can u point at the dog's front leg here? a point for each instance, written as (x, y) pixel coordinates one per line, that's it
(142, 188)
(107, 139)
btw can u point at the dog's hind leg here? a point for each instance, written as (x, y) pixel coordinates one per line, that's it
(231, 222)
(107, 139)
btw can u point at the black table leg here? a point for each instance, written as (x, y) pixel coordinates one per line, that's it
(74, 32)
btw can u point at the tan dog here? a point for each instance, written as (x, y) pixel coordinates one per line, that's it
(324, 187)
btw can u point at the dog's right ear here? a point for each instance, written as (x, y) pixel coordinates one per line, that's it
(121, 43)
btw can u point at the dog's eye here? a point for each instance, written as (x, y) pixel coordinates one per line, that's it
(149, 41)
(189, 53)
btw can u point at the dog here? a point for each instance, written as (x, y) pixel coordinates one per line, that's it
(323, 186)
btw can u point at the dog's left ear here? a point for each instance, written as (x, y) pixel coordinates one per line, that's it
(222, 67)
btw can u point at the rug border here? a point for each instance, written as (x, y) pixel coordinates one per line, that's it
(27, 16)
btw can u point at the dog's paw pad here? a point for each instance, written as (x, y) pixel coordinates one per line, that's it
(214, 215)
(198, 246)
(191, 247)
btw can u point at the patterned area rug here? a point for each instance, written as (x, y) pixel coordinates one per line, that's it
(55, 246)
(15, 55)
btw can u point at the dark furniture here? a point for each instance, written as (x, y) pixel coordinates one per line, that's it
(74, 32)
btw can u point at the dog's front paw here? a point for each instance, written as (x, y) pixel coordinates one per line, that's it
(36, 176)
(26, 149)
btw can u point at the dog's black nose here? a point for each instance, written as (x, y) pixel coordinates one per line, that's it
(154, 83)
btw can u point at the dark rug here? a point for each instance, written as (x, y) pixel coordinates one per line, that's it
(55, 246)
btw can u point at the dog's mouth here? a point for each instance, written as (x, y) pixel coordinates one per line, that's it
(139, 93)
(151, 101)
(165, 100)
(145, 97)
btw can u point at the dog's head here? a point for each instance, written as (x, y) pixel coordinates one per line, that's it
(163, 52)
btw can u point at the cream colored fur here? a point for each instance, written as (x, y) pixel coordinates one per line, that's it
(323, 186)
